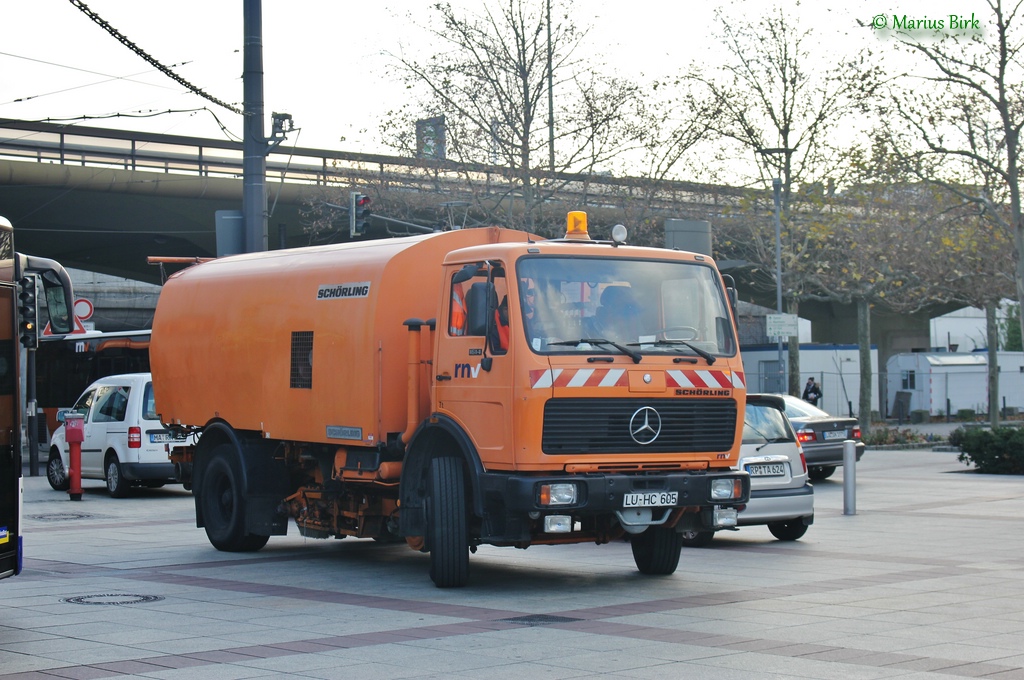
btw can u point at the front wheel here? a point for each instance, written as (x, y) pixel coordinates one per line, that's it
(222, 501)
(448, 533)
(820, 472)
(56, 475)
(117, 485)
(790, 530)
(656, 551)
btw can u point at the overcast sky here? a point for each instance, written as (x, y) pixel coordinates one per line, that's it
(325, 61)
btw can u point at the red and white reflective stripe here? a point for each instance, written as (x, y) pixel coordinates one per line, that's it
(583, 377)
(712, 379)
(616, 377)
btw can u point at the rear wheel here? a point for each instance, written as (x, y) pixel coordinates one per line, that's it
(117, 485)
(448, 533)
(222, 501)
(821, 471)
(56, 475)
(697, 539)
(656, 551)
(790, 530)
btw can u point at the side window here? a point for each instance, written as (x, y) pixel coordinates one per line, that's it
(149, 404)
(457, 317)
(84, 403)
(111, 404)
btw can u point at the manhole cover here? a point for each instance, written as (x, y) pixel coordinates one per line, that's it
(60, 516)
(112, 598)
(539, 620)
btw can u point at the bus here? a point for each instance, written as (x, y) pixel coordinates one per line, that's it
(66, 365)
(21, 276)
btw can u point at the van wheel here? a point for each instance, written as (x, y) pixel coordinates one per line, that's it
(56, 475)
(697, 539)
(448, 534)
(656, 551)
(819, 472)
(223, 504)
(789, 530)
(117, 485)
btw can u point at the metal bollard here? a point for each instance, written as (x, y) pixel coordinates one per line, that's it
(849, 477)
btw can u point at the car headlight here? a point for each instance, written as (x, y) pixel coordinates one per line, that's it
(558, 494)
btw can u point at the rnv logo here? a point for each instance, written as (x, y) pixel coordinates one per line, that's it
(466, 371)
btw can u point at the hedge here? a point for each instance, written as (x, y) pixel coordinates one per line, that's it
(998, 451)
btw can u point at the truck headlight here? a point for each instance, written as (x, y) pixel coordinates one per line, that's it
(558, 494)
(726, 489)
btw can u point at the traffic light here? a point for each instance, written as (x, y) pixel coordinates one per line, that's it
(28, 313)
(359, 213)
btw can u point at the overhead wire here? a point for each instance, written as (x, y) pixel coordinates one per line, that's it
(152, 60)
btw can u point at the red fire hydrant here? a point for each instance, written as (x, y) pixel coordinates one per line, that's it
(74, 435)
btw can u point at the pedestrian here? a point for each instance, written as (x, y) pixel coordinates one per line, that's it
(812, 393)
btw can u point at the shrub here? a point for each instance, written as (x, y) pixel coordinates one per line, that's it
(886, 436)
(998, 451)
(966, 415)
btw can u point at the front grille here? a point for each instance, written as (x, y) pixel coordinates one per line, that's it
(573, 426)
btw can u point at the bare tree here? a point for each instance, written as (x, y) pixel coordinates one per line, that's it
(781, 109)
(488, 75)
(964, 110)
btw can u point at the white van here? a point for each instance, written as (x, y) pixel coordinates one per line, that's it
(125, 443)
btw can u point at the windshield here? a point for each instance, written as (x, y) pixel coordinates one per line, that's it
(797, 408)
(595, 304)
(763, 423)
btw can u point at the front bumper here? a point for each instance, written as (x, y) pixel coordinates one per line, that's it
(604, 494)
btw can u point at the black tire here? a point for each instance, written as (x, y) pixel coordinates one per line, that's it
(56, 475)
(790, 530)
(222, 502)
(447, 524)
(656, 551)
(820, 472)
(697, 539)
(117, 485)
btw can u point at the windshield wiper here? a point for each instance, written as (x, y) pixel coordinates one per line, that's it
(703, 353)
(773, 440)
(632, 354)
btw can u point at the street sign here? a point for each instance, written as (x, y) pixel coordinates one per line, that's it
(784, 325)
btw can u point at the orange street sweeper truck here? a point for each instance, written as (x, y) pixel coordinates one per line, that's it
(450, 390)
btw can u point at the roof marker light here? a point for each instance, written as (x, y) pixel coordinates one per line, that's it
(576, 226)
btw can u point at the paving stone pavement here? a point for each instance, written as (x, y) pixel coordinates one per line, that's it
(925, 580)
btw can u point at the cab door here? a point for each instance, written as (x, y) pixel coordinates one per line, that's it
(473, 366)
(10, 440)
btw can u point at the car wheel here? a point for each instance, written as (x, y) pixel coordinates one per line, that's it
(656, 550)
(117, 485)
(821, 471)
(223, 504)
(790, 530)
(697, 539)
(56, 475)
(448, 531)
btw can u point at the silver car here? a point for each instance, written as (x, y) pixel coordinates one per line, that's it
(781, 495)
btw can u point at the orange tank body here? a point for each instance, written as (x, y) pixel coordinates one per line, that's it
(222, 337)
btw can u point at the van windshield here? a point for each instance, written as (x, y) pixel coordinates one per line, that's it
(644, 306)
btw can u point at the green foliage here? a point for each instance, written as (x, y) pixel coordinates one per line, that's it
(1010, 330)
(966, 415)
(998, 451)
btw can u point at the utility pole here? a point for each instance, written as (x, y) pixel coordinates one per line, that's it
(254, 145)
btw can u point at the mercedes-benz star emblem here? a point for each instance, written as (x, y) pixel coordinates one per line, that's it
(645, 425)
